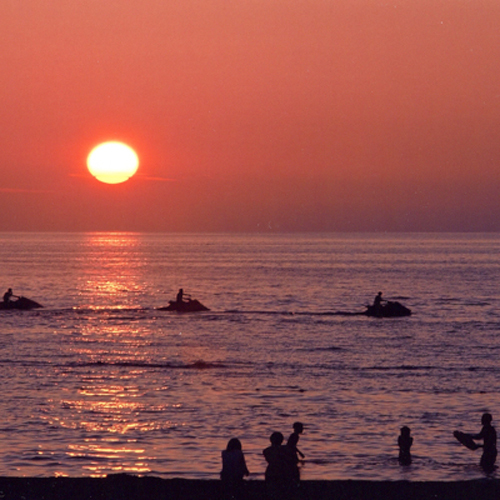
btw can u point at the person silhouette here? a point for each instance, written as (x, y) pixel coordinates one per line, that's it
(7, 295)
(179, 296)
(234, 468)
(377, 302)
(298, 429)
(281, 474)
(488, 435)
(404, 442)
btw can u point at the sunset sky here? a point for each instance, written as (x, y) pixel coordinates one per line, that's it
(252, 115)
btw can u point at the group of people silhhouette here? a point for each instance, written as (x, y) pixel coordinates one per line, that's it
(282, 474)
(487, 434)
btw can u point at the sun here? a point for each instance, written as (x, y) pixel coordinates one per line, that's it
(112, 162)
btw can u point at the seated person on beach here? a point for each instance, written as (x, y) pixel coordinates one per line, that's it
(282, 473)
(233, 468)
(404, 442)
(7, 295)
(489, 436)
(298, 428)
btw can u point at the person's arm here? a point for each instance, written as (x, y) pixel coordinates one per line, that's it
(478, 436)
(245, 468)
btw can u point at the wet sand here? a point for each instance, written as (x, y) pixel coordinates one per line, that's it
(126, 487)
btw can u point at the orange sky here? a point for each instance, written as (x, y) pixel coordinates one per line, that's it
(344, 115)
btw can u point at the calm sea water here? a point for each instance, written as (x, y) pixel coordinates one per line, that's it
(100, 381)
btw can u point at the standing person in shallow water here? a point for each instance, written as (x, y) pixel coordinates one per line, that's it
(404, 442)
(234, 468)
(488, 435)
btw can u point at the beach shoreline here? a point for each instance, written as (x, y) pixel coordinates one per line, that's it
(129, 487)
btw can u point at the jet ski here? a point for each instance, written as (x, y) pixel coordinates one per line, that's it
(21, 303)
(388, 310)
(184, 306)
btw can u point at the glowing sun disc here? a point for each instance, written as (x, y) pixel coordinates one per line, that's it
(112, 162)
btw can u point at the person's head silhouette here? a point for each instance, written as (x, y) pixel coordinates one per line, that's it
(486, 419)
(276, 438)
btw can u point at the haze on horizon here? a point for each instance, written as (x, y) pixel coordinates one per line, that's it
(256, 115)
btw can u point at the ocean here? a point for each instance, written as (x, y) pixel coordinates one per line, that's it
(100, 381)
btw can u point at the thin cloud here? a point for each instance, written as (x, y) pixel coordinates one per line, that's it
(137, 176)
(16, 190)
(160, 179)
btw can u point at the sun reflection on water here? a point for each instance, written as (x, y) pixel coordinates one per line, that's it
(112, 239)
(111, 271)
(112, 408)
(124, 458)
(111, 420)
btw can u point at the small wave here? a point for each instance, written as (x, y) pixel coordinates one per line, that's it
(135, 313)
(258, 311)
(83, 310)
(39, 458)
(296, 313)
(429, 368)
(322, 349)
(196, 365)
(402, 367)
(203, 365)
(477, 303)
(319, 461)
